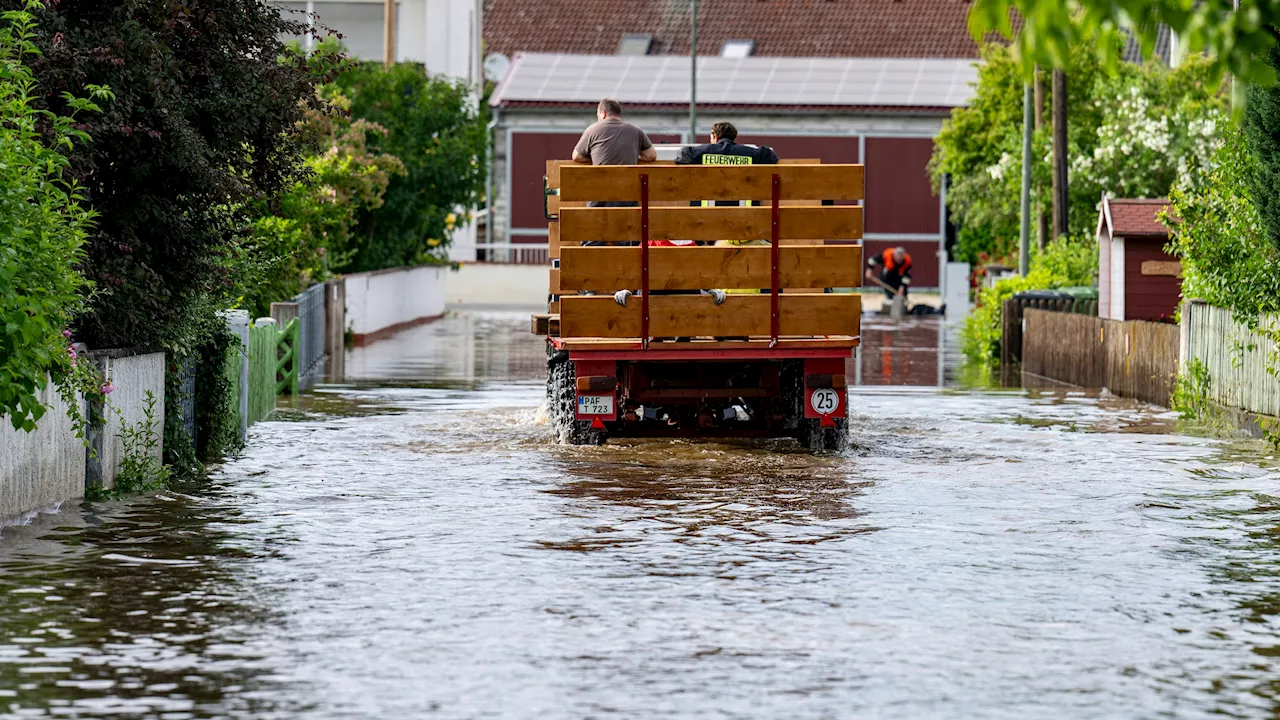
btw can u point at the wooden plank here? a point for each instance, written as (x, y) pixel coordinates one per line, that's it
(539, 324)
(711, 223)
(608, 269)
(712, 182)
(831, 341)
(697, 315)
(553, 240)
(554, 284)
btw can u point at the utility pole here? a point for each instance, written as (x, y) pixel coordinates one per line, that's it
(1024, 244)
(693, 75)
(1042, 217)
(1060, 205)
(389, 34)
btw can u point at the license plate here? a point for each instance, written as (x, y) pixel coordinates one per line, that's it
(595, 405)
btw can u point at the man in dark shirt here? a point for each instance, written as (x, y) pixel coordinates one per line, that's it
(724, 150)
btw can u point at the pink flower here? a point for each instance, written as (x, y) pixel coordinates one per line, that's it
(72, 352)
(106, 389)
(66, 334)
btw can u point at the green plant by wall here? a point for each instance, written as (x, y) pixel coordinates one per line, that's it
(44, 225)
(435, 128)
(140, 470)
(217, 405)
(1190, 398)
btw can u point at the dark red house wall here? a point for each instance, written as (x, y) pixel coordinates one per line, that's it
(529, 153)
(899, 197)
(1148, 297)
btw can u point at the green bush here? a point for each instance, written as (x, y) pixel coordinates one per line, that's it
(1062, 264)
(203, 122)
(434, 128)
(307, 233)
(44, 224)
(1216, 229)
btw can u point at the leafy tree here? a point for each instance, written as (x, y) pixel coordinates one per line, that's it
(1046, 32)
(1130, 135)
(1219, 232)
(43, 224)
(309, 229)
(1262, 128)
(436, 130)
(202, 124)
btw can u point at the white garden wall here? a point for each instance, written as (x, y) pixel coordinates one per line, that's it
(382, 302)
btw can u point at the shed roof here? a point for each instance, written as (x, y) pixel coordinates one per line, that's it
(780, 28)
(740, 82)
(1134, 217)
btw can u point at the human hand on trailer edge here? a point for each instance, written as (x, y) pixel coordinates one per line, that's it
(621, 296)
(717, 296)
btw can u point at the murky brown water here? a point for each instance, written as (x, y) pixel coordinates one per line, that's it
(418, 548)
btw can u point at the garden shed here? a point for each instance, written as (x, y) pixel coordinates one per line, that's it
(1137, 278)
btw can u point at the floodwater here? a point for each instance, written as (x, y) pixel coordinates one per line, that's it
(411, 544)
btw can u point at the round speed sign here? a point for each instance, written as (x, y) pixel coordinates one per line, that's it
(824, 401)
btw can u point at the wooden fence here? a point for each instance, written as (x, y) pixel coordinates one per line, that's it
(1134, 359)
(1240, 362)
(1011, 317)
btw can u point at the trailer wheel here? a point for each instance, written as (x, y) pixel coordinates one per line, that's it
(792, 382)
(832, 439)
(562, 397)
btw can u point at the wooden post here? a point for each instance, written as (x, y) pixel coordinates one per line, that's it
(1042, 217)
(283, 312)
(335, 329)
(389, 35)
(1060, 214)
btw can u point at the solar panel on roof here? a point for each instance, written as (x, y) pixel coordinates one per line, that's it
(660, 80)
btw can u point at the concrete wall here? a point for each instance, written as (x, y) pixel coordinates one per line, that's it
(133, 376)
(381, 302)
(50, 464)
(522, 286)
(42, 467)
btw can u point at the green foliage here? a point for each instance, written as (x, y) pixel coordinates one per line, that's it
(217, 403)
(1262, 128)
(1063, 263)
(44, 224)
(434, 128)
(1237, 40)
(1129, 135)
(1228, 257)
(308, 231)
(1190, 398)
(140, 469)
(203, 123)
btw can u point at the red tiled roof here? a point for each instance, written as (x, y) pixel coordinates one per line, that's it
(784, 28)
(1136, 217)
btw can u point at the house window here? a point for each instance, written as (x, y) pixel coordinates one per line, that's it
(361, 24)
(738, 48)
(635, 44)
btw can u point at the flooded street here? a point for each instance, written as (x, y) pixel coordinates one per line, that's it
(412, 544)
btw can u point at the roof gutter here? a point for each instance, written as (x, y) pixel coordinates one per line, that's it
(488, 189)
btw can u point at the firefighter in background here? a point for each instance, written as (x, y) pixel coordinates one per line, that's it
(891, 271)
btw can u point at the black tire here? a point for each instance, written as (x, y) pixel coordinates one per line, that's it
(562, 398)
(791, 381)
(828, 439)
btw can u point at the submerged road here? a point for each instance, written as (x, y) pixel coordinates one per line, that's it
(411, 544)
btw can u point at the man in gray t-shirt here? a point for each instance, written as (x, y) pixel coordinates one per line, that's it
(613, 141)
